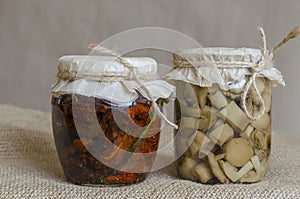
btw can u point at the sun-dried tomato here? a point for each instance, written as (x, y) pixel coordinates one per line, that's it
(81, 124)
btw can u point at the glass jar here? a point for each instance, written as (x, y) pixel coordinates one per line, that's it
(106, 132)
(223, 110)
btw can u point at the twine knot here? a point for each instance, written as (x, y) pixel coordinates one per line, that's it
(266, 61)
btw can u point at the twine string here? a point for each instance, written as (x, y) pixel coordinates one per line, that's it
(70, 76)
(259, 67)
(184, 62)
(252, 82)
(133, 74)
(292, 34)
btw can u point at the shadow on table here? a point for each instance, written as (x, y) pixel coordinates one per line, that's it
(166, 165)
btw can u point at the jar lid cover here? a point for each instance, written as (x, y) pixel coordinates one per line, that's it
(223, 66)
(207, 57)
(84, 65)
(90, 76)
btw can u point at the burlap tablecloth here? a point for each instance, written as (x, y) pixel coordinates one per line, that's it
(29, 168)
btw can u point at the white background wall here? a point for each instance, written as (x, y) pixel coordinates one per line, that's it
(35, 33)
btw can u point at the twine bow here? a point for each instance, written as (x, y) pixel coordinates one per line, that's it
(133, 75)
(266, 57)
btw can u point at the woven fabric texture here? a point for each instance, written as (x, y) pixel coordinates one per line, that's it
(29, 168)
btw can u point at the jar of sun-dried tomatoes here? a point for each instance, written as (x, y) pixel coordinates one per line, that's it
(105, 126)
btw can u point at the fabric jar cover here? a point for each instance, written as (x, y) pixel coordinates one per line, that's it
(223, 66)
(105, 77)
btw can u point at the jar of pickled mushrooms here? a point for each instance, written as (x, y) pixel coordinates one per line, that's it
(223, 110)
(105, 126)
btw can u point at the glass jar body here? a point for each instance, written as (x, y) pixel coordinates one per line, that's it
(216, 141)
(88, 130)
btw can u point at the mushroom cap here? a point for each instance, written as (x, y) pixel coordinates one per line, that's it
(238, 151)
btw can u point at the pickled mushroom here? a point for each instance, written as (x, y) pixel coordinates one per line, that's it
(203, 172)
(238, 151)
